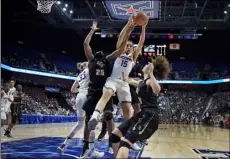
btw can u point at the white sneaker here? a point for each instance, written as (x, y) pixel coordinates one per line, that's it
(86, 154)
(136, 147)
(61, 149)
(111, 150)
(96, 154)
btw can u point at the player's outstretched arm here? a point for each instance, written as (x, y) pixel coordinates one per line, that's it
(133, 81)
(153, 82)
(124, 31)
(87, 47)
(74, 88)
(140, 43)
(121, 49)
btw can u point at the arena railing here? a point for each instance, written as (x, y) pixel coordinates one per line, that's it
(9, 68)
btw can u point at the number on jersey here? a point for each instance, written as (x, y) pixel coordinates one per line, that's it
(82, 76)
(100, 72)
(124, 63)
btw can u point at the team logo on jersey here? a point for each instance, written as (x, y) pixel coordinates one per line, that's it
(139, 127)
(100, 64)
(123, 9)
(127, 58)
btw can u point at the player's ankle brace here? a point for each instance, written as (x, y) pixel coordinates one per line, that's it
(114, 138)
(124, 144)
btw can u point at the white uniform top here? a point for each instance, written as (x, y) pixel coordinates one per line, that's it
(83, 80)
(4, 100)
(11, 93)
(5, 103)
(123, 64)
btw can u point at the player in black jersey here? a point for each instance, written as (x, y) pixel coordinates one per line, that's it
(99, 69)
(145, 123)
(136, 72)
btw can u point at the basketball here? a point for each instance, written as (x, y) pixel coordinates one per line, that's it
(141, 18)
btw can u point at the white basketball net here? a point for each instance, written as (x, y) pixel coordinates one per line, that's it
(44, 6)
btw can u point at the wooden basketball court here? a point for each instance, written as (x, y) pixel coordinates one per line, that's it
(170, 141)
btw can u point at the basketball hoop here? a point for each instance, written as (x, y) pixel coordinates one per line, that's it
(44, 6)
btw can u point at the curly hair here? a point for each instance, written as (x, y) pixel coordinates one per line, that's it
(161, 67)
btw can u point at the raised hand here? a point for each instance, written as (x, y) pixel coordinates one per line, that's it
(144, 25)
(151, 67)
(94, 26)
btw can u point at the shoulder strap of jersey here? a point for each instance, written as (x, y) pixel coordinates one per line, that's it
(146, 79)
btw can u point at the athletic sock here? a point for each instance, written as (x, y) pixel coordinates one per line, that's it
(67, 140)
(85, 147)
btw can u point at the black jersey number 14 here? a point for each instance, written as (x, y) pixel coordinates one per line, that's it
(100, 72)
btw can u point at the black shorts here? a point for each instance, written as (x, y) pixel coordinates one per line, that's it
(142, 126)
(115, 100)
(92, 99)
(16, 113)
(135, 99)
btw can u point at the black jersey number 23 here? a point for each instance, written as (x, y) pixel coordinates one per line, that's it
(100, 72)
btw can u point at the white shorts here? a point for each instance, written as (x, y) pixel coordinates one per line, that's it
(80, 100)
(3, 115)
(7, 107)
(121, 87)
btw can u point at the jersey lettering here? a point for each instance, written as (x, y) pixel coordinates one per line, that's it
(100, 72)
(82, 76)
(124, 63)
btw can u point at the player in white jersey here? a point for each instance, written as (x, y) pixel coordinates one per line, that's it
(12, 89)
(82, 81)
(11, 92)
(122, 66)
(4, 100)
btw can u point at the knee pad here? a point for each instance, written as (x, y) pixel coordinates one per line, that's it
(108, 115)
(124, 144)
(114, 138)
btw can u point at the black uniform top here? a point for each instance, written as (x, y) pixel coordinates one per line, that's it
(17, 98)
(99, 71)
(145, 93)
(135, 71)
(16, 106)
